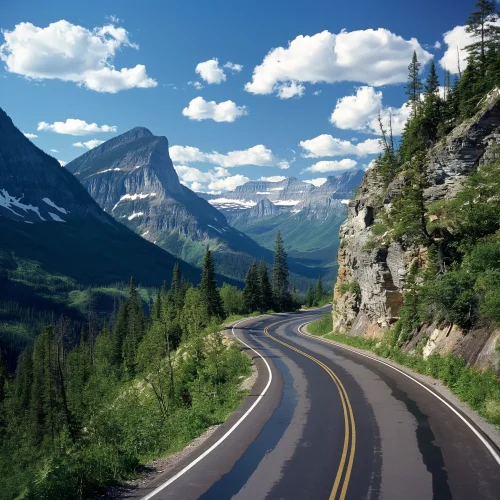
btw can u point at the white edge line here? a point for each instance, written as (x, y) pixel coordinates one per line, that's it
(226, 435)
(495, 455)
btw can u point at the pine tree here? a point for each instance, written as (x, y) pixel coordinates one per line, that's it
(265, 290)
(309, 299)
(251, 292)
(280, 275)
(432, 109)
(208, 287)
(319, 292)
(481, 25)
(414, 85)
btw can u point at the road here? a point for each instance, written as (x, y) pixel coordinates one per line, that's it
(326, 423)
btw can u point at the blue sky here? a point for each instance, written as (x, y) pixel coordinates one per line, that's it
(37, 84)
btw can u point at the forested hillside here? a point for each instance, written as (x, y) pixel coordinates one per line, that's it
(78, 415)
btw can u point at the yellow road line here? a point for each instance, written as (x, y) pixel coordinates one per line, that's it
(348, 419)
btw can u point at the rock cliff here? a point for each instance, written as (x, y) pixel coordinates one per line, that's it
(371, 279)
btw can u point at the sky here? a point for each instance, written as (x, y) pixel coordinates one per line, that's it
(242, 90)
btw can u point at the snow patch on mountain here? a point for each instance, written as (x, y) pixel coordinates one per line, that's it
(7, 201)
(56, 217)
(133, 197)
(53, 205)
(133, 215)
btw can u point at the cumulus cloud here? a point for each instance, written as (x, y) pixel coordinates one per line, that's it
(317, 92)
(74, 126)
(210, 71)
(375, 57)
(456, 40)
(88, 144)
(217, 179)
(228, 183)
(326, 145)
(233, 67)
(331, 166)
(30, 136)
(257, 155)
(227, 111)
(69, 52)
(317, 182)
(291, 89)
(197, 85)
(437, 45)
(273, 178)
(360, 112)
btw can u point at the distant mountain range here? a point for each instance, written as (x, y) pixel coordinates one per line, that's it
(308, 216)
(46, 216)
(133, 179)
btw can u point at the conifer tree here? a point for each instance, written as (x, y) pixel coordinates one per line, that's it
(309, 298)
(251, 292)
(208, 287)
(319, 292)
(432, 109)
(414, 85)
(481, 26)
(280, 275)
(265, 290)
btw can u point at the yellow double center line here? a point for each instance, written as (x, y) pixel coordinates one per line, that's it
(350, 427)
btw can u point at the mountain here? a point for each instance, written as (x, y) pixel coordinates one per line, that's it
(46, 216)
(308, 216)
(133, 179)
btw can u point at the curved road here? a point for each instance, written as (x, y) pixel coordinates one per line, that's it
(323, 422)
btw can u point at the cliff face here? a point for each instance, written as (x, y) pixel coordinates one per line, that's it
(371, 279)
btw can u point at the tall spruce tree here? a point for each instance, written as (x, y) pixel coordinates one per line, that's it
(265, 290)
(414, 85)
(208, 287)
(319, 291)
(251, 292)
(280, 275)
(481, 26)
(309, 298)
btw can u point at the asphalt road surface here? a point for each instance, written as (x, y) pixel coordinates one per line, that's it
(323, 422)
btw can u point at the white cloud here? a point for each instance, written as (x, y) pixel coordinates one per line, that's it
(114, 19)
(233, 67)
(197, 85)
(217, 179)
(456, 40)
(353, 111)
(360, 112)
(291, 89)
(331, 166)
(369, 166)
(72, 53)
(210, 71)
(257, 155)
(317, 182)
(74, 126)
(326, 145)
(437, 45)
(89, 144)
(30, 136)
(54, 151)
(375, 57)
(62, 163)
(227, 111)
(317, 92)
(228, 183)
(273, 178)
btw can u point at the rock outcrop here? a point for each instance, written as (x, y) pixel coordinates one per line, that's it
(371, 279)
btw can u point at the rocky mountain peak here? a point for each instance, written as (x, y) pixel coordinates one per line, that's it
(34, 187)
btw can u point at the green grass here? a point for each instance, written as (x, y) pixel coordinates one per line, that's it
(479, 389)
